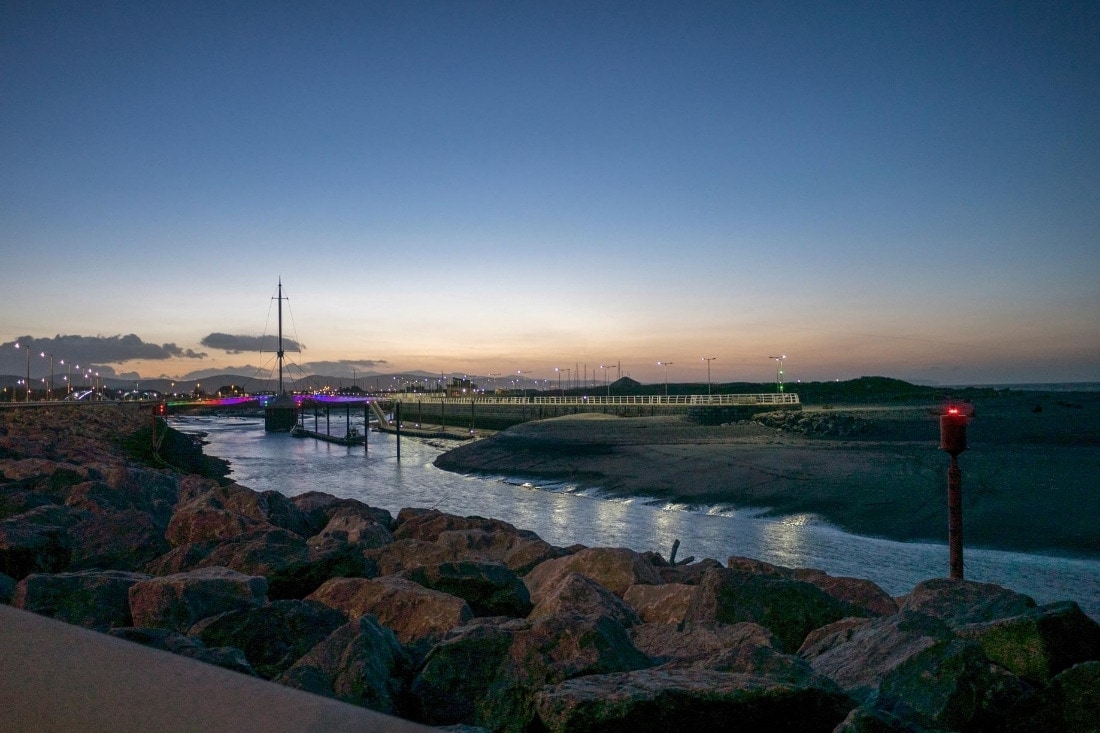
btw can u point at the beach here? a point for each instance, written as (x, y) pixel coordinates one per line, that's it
(1030, 474)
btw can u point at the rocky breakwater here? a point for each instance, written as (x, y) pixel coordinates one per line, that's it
(471, 621)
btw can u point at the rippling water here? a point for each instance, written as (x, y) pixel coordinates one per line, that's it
(562, 515)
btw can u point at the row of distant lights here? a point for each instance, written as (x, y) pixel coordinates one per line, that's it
(88, 374)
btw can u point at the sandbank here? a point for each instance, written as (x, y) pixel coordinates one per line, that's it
(1030, 475)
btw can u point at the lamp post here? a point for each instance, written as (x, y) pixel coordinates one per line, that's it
(69, 377)
(606, 384)
(28, 378)
(708, 360)
(523, 380)
(49, 386)
(778, 371)
(666, 365)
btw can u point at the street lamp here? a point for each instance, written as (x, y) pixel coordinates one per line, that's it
(523, 380)
(69, 378)
(606, 384)
(666, 365)
(49, 387)
(778, 371)
(28, 379)
(708, 360)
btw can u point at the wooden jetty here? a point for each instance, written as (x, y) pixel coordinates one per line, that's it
(353, 437)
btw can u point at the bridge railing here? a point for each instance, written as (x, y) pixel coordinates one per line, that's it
(772, 398)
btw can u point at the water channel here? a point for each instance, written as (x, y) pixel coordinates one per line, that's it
(564, 515)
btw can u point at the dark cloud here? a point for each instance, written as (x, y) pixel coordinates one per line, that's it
(238, 344)
(344, 366)
(89, 351)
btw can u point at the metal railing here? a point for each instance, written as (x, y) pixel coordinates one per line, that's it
(771, 398)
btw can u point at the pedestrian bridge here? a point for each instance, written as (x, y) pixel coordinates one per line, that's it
(495, 412)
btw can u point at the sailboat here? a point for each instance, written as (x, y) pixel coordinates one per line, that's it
(281, 414)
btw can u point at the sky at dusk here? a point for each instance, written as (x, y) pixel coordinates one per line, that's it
(870, 188)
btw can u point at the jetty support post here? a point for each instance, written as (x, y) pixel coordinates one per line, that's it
(397, 422)
(366, 428)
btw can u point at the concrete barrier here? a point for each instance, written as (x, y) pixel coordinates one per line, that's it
(56, 678)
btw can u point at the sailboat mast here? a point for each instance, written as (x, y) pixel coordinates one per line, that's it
(281, 336)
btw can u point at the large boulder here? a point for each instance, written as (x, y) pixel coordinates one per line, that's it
(858, 654)
(318, 508)
(123, 540)
(662, 604)
(278, 555)
(790, 609)
(428, 524)
(1069, 704)
(950, 686)
(489, 672)
(518, 551)
(859, 592)
(274, 636)
(18, 497)
(961, 602)
(179, 559)
(913, 668)
(664, 643)
(405, 554)
(220, 512)
(198, 522)
(27, 548)
(415, 614)
(355, 523)
(579, 595)
(758, 567)
(7, 588)
(95, 599)
(615, 568)
(686, 574)
(490, 588)
(361, 663)
(177, 602)
(1041, 643)
(689, 700)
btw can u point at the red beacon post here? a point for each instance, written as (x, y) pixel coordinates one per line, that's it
(953, 441)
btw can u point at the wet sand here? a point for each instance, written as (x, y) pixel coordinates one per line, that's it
(1031, 476)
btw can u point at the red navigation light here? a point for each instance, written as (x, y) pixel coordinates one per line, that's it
(953, 430)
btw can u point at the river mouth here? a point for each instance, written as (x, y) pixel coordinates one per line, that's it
(564, 515)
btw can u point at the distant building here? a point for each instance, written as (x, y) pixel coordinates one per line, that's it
(461, 388)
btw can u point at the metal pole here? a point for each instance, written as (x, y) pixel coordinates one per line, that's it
(397, 420)
(954, 518)
(366, 428)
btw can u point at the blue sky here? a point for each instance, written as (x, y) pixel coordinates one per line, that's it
(905, 189)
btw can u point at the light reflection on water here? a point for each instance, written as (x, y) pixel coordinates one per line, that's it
(563, 515)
